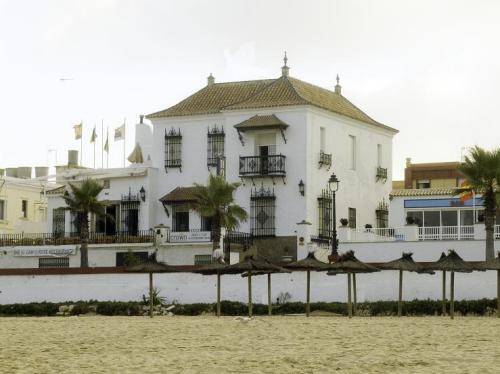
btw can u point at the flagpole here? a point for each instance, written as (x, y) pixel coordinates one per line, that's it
(107, 152)
(124, 139)
(102, 143)
(94, 144)
(81, 146)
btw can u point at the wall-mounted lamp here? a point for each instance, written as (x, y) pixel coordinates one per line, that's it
(142, 193)
(302, 187)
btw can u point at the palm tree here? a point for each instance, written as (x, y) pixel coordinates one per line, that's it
(215, 201)
(83, 200)
(481, 169)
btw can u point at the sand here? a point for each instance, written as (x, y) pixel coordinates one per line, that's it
(263, 345)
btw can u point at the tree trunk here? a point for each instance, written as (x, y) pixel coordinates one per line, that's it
(489, 226)
(84, 241)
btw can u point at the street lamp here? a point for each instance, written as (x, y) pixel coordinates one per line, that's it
(333, 186)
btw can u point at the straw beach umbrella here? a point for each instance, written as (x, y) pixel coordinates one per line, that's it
(215, 268)
(350, 265)
(151, 266)
(405, 263)
(307, 264)
(269, 302)
(452, 263)
(250, 265)
(493, 264)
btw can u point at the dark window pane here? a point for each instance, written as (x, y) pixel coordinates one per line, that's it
(431, 218)
(449, 218)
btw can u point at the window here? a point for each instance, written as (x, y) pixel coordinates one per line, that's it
(53, 262)
(418, 217)
(206, 223)
(2, 210)
(449, 218)
(352, 152)
(379, 155)
(202, 259)
(382, 215)
(325, 215)
(24, 208)
(215, 146)
(180, 218)
(173, 143)
(262, 207)
(129, 213)
(130, 258)
(432, 218)
(352, 218)
(423, 183)
(322, 139)
(58, 221)
(466, 218)
(76, 222)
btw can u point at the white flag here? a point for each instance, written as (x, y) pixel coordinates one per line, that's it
(78, 130)
(120, 133)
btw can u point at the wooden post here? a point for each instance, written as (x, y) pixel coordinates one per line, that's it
(151, 295)
(452, 295)
(269, 303)
(308, 294)
(349, 307)
(400, 299)
(498, 293)
(250, 294)
(218, 294)
(354, 294)
(444, 293)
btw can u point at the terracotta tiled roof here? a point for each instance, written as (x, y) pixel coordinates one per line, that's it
(179, 195)
(284, 91)
(261, 122)
(424, 192)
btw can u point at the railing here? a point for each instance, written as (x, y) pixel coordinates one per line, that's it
(242, 238)
(262, 165)
(446, 233)
(39, 239)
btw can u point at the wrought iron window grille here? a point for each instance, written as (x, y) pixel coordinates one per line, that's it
(262, 212)
(173, 149)
(325, 211)
(215, 145)
(381, 174)
(325, 159)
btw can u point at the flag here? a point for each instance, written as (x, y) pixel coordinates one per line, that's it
(94, 136)
(120, 133)
(466, 195)
(78, 130)
(106, 145)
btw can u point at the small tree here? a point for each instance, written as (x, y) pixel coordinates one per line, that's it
(481, 169)
(83, 201)
(215, 201)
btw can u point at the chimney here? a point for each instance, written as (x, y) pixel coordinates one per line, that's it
(210, 80)
(285, 69)
(141, 118)
(408, 162)
(338, 87)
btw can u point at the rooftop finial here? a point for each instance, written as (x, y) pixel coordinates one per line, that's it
(285, 69)
(210, 80)
(338, 87)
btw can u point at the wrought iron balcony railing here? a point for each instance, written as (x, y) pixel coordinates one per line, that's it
(273, 165)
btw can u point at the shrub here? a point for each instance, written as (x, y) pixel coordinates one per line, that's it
(119, 308)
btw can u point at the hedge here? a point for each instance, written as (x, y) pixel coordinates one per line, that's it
(481, 307)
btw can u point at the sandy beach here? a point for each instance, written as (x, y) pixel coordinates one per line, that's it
(263, 345)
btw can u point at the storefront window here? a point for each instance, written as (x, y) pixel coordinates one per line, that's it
(449, 218)
(431, 218)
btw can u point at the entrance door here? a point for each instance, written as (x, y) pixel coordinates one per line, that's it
(111, 219)
(264, 159)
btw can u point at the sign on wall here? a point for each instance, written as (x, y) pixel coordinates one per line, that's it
(189, 236)
(44, 252)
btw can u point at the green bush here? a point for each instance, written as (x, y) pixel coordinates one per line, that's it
(31, 309)
(119, 308)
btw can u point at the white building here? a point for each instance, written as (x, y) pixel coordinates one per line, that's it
(274, 135)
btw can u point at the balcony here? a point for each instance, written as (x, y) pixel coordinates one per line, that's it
(40, 239)
(261, 166)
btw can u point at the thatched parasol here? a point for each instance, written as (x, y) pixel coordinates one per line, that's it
(250, 265)
(452, 263)
(493, 264)
(350, 265)
(151, 266)
(215, 268)
(307, 264)
(269, 299)
(405, 263)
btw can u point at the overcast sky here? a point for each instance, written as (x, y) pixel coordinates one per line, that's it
(428, 68)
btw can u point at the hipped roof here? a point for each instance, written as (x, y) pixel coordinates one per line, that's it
(268, 93)
(179, 195)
